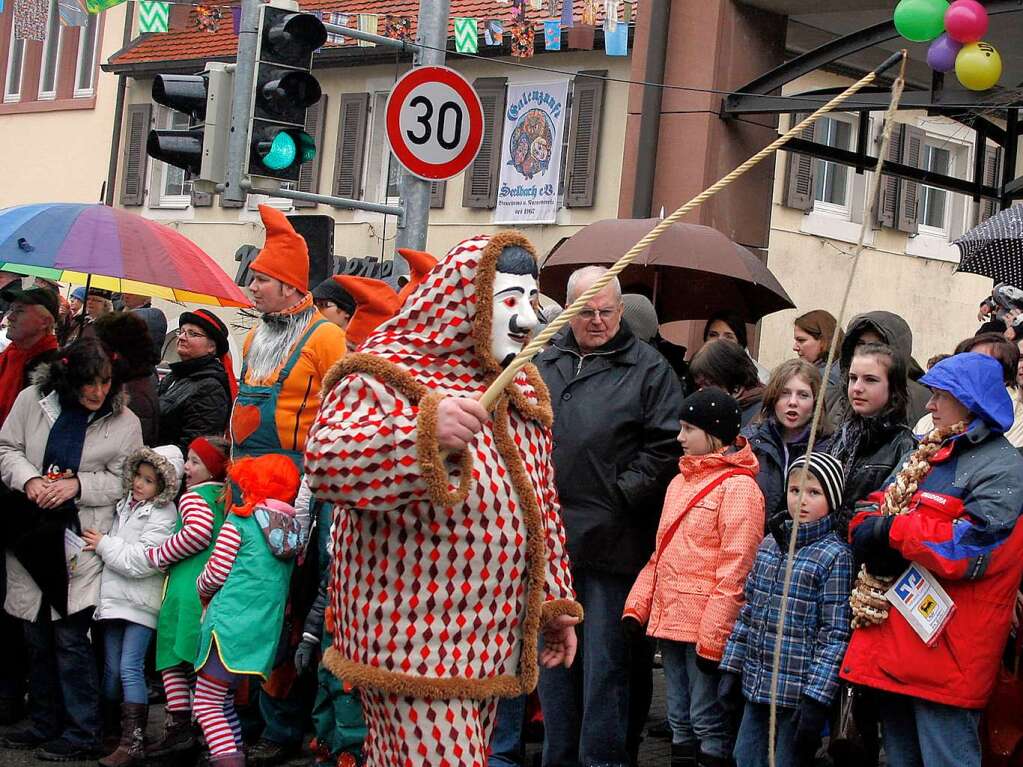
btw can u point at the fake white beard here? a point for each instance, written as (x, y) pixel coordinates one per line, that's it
(273, 342)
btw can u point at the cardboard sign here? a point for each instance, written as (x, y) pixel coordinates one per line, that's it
(924, 604)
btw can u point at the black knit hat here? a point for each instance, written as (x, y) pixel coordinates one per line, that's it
(329, 290)
(715, 412)
(213, 326)
(828, 471)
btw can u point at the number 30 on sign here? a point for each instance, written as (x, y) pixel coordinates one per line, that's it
(434, 122)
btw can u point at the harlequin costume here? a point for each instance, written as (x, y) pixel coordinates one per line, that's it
(445, 568)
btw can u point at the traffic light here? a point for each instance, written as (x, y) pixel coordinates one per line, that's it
(282, 91)
(200, 149)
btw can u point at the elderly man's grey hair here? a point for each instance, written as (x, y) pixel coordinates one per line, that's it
(581, 279)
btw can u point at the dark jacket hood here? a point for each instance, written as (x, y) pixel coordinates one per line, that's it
(892, 328)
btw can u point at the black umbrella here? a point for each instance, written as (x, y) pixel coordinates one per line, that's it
(995, 248)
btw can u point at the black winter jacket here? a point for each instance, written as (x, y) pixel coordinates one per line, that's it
(195, 401)
(775, 457)
(143, 402)
(882, 451)
(616, 412)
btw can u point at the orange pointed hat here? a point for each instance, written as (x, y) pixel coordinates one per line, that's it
(285, 255)
(420, 263)
(375, 303)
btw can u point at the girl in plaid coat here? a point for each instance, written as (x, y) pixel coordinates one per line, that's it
(816, 630)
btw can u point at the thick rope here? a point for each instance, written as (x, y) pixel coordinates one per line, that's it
(493, 392)
(818, 412)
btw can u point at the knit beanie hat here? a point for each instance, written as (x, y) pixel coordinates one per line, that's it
(285, 255)
(641, 316)
(827, 470)
(715, 412)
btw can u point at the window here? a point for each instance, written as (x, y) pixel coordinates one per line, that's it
(85, 71)
(383, 168)
(51, 54)
(172, 189)
(831, 182)
(15, 65)
(934, 203)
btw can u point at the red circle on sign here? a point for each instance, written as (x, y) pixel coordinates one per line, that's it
(402, 93)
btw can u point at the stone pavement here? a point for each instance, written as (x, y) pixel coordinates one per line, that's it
(653, 753)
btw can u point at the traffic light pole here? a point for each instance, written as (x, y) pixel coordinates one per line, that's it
(413, 191)
(337, 202)
(244, 76)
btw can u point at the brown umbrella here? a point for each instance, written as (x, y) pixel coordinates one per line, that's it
(691, 271)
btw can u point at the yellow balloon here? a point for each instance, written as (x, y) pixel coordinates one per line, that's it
(978, 66)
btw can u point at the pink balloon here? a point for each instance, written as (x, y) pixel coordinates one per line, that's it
(966, 21)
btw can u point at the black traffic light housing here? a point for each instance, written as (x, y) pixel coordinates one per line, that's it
(180, 148)
(283, 89)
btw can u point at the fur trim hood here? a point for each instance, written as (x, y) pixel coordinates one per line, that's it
(41, 377)
(169, 465)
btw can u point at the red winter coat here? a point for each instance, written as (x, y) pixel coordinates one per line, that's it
(963, 529)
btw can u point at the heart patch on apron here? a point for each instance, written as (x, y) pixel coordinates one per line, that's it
(244, 421)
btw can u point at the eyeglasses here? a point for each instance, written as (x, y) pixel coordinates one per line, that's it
(591, 314)
(191, 334)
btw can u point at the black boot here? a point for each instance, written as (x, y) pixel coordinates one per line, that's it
(683, 755)
(706, 760)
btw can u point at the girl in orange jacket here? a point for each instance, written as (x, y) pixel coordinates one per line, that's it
(689, 594)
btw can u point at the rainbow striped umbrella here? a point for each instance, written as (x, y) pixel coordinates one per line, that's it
(111, 249)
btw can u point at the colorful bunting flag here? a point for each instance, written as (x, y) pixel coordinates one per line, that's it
(208, 17)
(96, 6)
(610, 15)
(567, 15)
(519, 10)
(616, 43)
(552, 35)
(581, 36)
(368, 22)
(154, 16)
(552, 7)
(398, 27)
(627, 11)
(466, 35)
(493, 32)
(536, 5)
(30, 19)
(341, 19)
(522, 39)
(236, 20)
(590, 12)
(72, 14)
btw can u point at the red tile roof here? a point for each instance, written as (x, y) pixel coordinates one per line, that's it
(192, 44)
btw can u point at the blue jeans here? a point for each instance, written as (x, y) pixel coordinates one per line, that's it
(506, 747)
(694, 713)
(587, 706)
(751, 744)
(917, 732)
(124, 668)
(63, 682)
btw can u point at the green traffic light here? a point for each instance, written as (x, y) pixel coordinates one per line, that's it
(281, 153)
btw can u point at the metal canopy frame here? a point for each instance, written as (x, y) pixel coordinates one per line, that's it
(760, 96)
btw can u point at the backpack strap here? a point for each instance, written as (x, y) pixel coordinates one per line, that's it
(704, 492)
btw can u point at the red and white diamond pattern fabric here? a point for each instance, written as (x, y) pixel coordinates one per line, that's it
(412, 732)
(430, 600)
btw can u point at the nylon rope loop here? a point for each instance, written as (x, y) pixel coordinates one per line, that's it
(493, 392)
(868, 215)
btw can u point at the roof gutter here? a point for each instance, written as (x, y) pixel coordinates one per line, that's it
(122, 89)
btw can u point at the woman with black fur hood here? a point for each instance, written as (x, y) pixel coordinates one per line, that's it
(125, 336)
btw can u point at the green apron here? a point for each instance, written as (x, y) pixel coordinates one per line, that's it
(177, 631)
(245, 615)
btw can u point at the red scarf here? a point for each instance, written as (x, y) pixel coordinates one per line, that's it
(12, 370)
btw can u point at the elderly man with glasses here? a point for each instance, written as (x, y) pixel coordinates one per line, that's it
(616, 405)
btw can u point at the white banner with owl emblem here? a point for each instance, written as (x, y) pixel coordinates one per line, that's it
(534, 121)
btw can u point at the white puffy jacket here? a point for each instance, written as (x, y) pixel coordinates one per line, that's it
(131, 588)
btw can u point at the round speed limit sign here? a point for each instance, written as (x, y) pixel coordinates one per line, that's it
(434, 122)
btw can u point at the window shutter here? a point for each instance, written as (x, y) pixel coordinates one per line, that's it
(309, 173)
(437, 191)
(201, 199)
(909, 191)
(133, 183)
(583, 139)
(479, 188)
(992, 169)
(888, 192)
(799, 177)
(351, 144)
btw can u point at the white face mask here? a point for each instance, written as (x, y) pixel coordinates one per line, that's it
(514, 318)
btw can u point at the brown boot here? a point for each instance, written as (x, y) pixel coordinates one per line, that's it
(178, 735)
(132, 748)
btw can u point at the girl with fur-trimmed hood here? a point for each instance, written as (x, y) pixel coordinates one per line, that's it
(131, 588)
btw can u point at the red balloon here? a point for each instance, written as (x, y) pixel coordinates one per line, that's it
(966, 21)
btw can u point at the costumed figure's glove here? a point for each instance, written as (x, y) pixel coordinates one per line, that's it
(706, 665)
(730, 692)
(305, 653)
(809, 724)
(632, 629)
